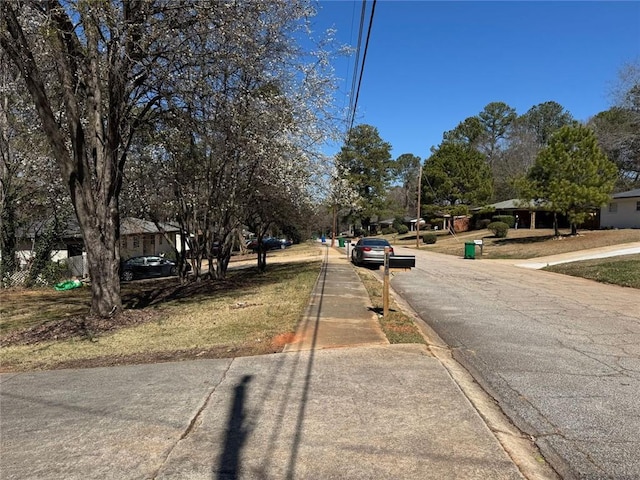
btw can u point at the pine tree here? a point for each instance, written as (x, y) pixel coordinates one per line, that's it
(572, 175)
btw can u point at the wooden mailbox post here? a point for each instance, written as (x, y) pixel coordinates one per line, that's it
(395, 262)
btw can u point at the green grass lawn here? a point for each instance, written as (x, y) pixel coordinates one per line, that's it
(624, 270)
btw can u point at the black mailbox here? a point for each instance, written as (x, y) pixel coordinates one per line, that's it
(402, 261)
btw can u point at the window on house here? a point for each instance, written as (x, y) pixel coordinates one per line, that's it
(136, 242)
(637, 206)
(613, 207)
(159, 239)
(123, 243)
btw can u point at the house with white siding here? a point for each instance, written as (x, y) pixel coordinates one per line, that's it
(137, 237)
(622, 211)
(141, 237)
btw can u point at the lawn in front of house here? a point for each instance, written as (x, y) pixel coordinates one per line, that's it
(523, 243)
(623, 270)
(248, 313)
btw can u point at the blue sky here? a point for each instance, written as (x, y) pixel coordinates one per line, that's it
(430, 65)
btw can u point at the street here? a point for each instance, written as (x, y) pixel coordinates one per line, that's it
(561, 355)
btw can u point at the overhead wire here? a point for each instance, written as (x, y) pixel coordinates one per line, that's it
(358, 73)
(355, 64)
(364, 59)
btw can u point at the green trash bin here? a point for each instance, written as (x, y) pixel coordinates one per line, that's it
(470, 250)
(341, 242)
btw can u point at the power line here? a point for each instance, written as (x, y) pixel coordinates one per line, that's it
(353, 105)
(355, 64)
(364, 59)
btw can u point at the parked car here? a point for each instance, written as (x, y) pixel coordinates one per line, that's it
(148, 266)
(370, 251)
(270, 243)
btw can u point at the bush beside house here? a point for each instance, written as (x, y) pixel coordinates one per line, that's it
(499, 229)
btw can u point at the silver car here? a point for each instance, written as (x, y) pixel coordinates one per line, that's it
(370, 251)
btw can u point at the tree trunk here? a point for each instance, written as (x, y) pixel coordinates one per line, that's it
(7, 235)
(262, 257)
(574, 229)
(92, 168)
(43, 247)
(334, 226)
(366, 226)
(101, 232)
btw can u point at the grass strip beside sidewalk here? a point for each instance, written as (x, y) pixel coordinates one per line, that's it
(397, 326)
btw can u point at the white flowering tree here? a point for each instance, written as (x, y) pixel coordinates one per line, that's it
(221, 87)
(341, 195)
(244, 131)
(33, 202)
(95, 71)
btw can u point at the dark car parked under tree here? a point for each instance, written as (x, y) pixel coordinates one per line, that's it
(148, 266)
(269, 243)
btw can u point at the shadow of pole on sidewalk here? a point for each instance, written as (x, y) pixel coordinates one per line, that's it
(307, 379)
(236, 434)
(241, 421)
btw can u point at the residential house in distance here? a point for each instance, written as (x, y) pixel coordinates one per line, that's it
(141, 237)
(622, 211)
(530, 215)
(137, 237)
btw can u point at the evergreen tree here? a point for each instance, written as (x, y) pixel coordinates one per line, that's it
(572, 175)
(366, 162)
(456, 174)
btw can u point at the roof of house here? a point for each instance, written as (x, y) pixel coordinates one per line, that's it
(513, 204)
(630, 194)
(134, 226)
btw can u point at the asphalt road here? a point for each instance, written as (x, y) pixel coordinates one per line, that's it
(561, 355)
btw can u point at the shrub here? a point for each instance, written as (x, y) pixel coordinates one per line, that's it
(508, 219)
(397, 223)
(499, 229)
(429, 238)
(402, 229)
(482, 224)
(53, 272)
(388, 230)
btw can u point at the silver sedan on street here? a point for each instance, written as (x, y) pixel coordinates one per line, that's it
(370, 251)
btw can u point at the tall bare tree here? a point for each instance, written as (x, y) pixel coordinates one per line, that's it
(110, 63)
(618, 129)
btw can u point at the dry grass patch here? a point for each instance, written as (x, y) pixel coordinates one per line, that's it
(23, 308)
(398, 327)
(524, 243)
(246, 314)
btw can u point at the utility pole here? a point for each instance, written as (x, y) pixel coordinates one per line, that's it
(385, 284)
(335, 225)
(419, 192)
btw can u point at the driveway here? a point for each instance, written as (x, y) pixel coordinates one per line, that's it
(561, 355)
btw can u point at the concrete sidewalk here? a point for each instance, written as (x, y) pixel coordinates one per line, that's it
(365, 410)
(593, 253)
